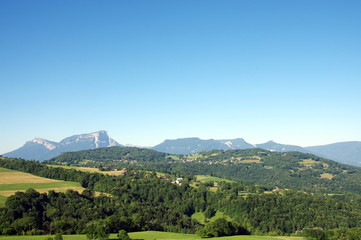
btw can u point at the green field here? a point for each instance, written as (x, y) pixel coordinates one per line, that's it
(2, 200)
(6, 170)
(207, 178)
(151, 235)
(199, 216)
(175, 157)
(24, 186)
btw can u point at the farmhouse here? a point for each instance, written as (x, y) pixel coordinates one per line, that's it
(179, 180)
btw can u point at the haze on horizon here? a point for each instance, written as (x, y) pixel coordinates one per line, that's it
(147, 71)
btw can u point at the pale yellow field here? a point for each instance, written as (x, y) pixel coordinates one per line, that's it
(14, 177)
(250, 161)
(327, 175)
(92, 170)
(309, 162)
(13, 181)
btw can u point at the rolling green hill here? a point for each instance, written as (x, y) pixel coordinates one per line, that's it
(293, 170)
(110, 155)
(290, 170)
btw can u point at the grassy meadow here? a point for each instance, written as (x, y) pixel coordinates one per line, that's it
(207, 178)
(13, 181)
(152, 235)
(199, 216)
(2, 201)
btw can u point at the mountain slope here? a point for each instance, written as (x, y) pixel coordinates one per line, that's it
(346, 152)
(277, 147)
(42, 149)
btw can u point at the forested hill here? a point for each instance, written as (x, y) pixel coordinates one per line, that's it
(141, 201)
(293, 170)
(131, 155)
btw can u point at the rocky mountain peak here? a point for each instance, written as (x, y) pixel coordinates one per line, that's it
(43, 149)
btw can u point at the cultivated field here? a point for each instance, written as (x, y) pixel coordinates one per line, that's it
(151, 235)
(92, 170)
(96, 170)
(12, 181)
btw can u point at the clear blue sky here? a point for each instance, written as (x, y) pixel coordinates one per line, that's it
(146, 71)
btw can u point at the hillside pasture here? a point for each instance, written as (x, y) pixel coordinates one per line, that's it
(174, 157)
(91, 170)
(253, 159)
(207, 178)
(327, 176)
(199, 216)
(13, 181)
(309, 163)
(96, 170)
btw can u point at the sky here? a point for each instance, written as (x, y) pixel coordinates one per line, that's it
(146, 71)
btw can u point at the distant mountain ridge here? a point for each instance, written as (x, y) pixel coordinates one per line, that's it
(194, 145)
(42, 149)
(278, 147)
(345, 152)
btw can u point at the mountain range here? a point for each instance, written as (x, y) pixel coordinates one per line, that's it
(194, 145)
(344, 152)
(41, 149)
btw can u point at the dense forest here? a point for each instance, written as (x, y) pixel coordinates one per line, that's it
(140, 200)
